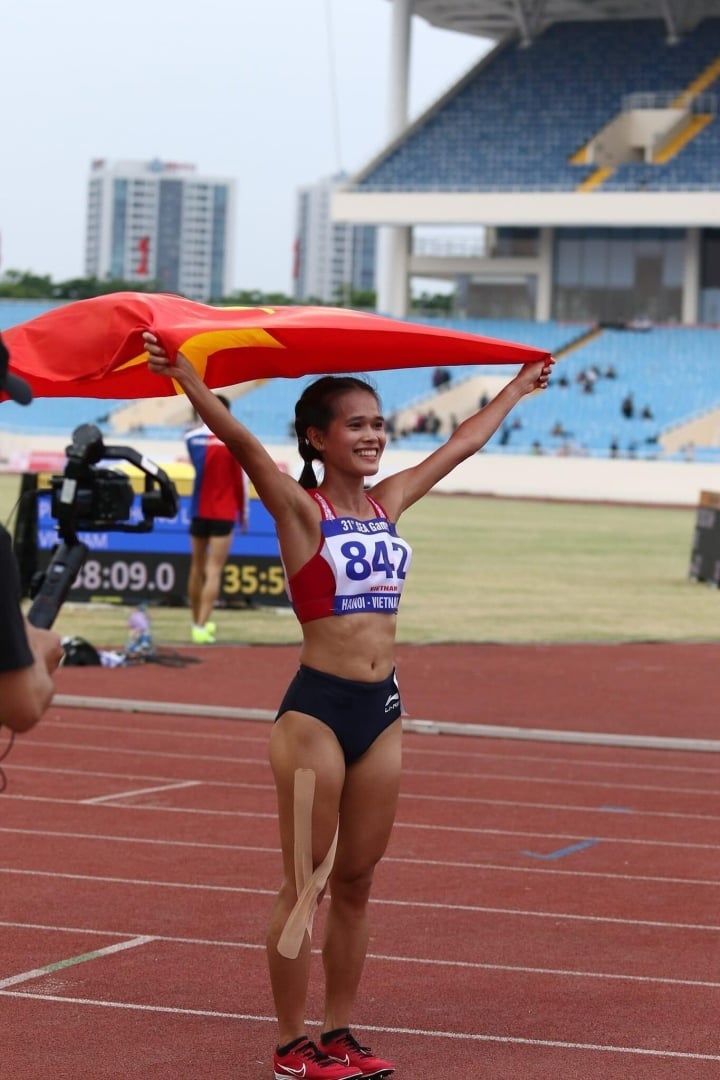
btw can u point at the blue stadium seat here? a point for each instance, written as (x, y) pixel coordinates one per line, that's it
(512, 125)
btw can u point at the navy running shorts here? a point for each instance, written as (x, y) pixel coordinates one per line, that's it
(203, 528)
(356, 711)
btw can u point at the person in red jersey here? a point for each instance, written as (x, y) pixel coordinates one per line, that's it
(219, 502)
(335, 747)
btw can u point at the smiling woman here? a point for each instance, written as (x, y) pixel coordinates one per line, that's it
(335, 745)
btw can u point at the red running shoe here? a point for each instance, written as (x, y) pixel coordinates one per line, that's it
(344, 1047)
(304, 1060)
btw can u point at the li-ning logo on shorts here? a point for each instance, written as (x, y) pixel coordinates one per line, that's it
(393, 699)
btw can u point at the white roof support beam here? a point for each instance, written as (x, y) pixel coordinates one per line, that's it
(670, 21)
(496, 19)
(521, 16)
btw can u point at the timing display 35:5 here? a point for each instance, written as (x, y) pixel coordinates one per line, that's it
(248, 579)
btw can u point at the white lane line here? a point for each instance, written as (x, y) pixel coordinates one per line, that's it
(603, 875)
(637, 815)
(155, 808)
(139, 791)
(116, 751)
(450, 777)
(455, 864)
(103, 774)
(564, 781)
(473, 965)
(616, 762)
(557, 1043)
(71, 961)
(415, 1032)
(423, 904)
(515, 833)
(402, 860)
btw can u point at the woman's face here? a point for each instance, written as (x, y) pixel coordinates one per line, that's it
(355, 439)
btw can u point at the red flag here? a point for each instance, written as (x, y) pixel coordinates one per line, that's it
(94, 348)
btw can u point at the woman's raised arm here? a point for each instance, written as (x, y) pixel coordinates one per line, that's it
(277, 490)
(404, 488)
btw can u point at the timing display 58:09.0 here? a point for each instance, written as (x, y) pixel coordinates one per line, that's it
(125, 575)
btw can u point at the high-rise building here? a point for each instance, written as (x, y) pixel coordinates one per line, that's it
(160, 221)
(331, 258)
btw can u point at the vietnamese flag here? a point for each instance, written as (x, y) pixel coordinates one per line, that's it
(94, 348)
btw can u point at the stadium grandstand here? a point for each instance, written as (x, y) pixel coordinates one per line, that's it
(586, 144)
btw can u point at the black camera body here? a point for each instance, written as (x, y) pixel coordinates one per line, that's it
(105, 497)
(90, 498)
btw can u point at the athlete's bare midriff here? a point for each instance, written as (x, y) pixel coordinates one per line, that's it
(358, 646)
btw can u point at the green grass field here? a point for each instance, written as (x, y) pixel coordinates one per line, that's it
(495, 570)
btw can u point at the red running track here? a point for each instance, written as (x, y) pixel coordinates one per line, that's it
(546, 910)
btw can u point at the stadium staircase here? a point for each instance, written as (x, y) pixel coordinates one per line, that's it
(690, 127)
(149, 414)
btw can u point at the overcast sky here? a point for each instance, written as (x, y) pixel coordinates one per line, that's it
(275, 93)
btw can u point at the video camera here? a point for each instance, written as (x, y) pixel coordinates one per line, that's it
(91, 499)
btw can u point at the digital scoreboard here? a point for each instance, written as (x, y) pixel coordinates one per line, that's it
(132, 567)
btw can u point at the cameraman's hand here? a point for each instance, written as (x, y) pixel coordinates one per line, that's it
(26, 693)
(46, 646)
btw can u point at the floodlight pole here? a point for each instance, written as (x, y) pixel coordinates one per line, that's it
(394, 240)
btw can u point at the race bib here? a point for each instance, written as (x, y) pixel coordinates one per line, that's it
(369, 561)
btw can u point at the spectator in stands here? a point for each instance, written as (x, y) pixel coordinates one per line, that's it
(614, 447)
(441, 378)
(647, 413)
(433, 423)
(219, 502)
(610, 372)
(29, 655)
(627, 407)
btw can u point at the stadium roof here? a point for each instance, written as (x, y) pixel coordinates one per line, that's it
(497, 19)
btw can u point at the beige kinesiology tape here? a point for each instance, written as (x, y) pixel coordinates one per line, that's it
(308, 882)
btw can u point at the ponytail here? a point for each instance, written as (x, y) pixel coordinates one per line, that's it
(308, 453)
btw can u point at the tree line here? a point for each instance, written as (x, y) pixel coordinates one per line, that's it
(24, 285)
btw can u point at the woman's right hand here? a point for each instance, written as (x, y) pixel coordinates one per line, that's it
(159, 363)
